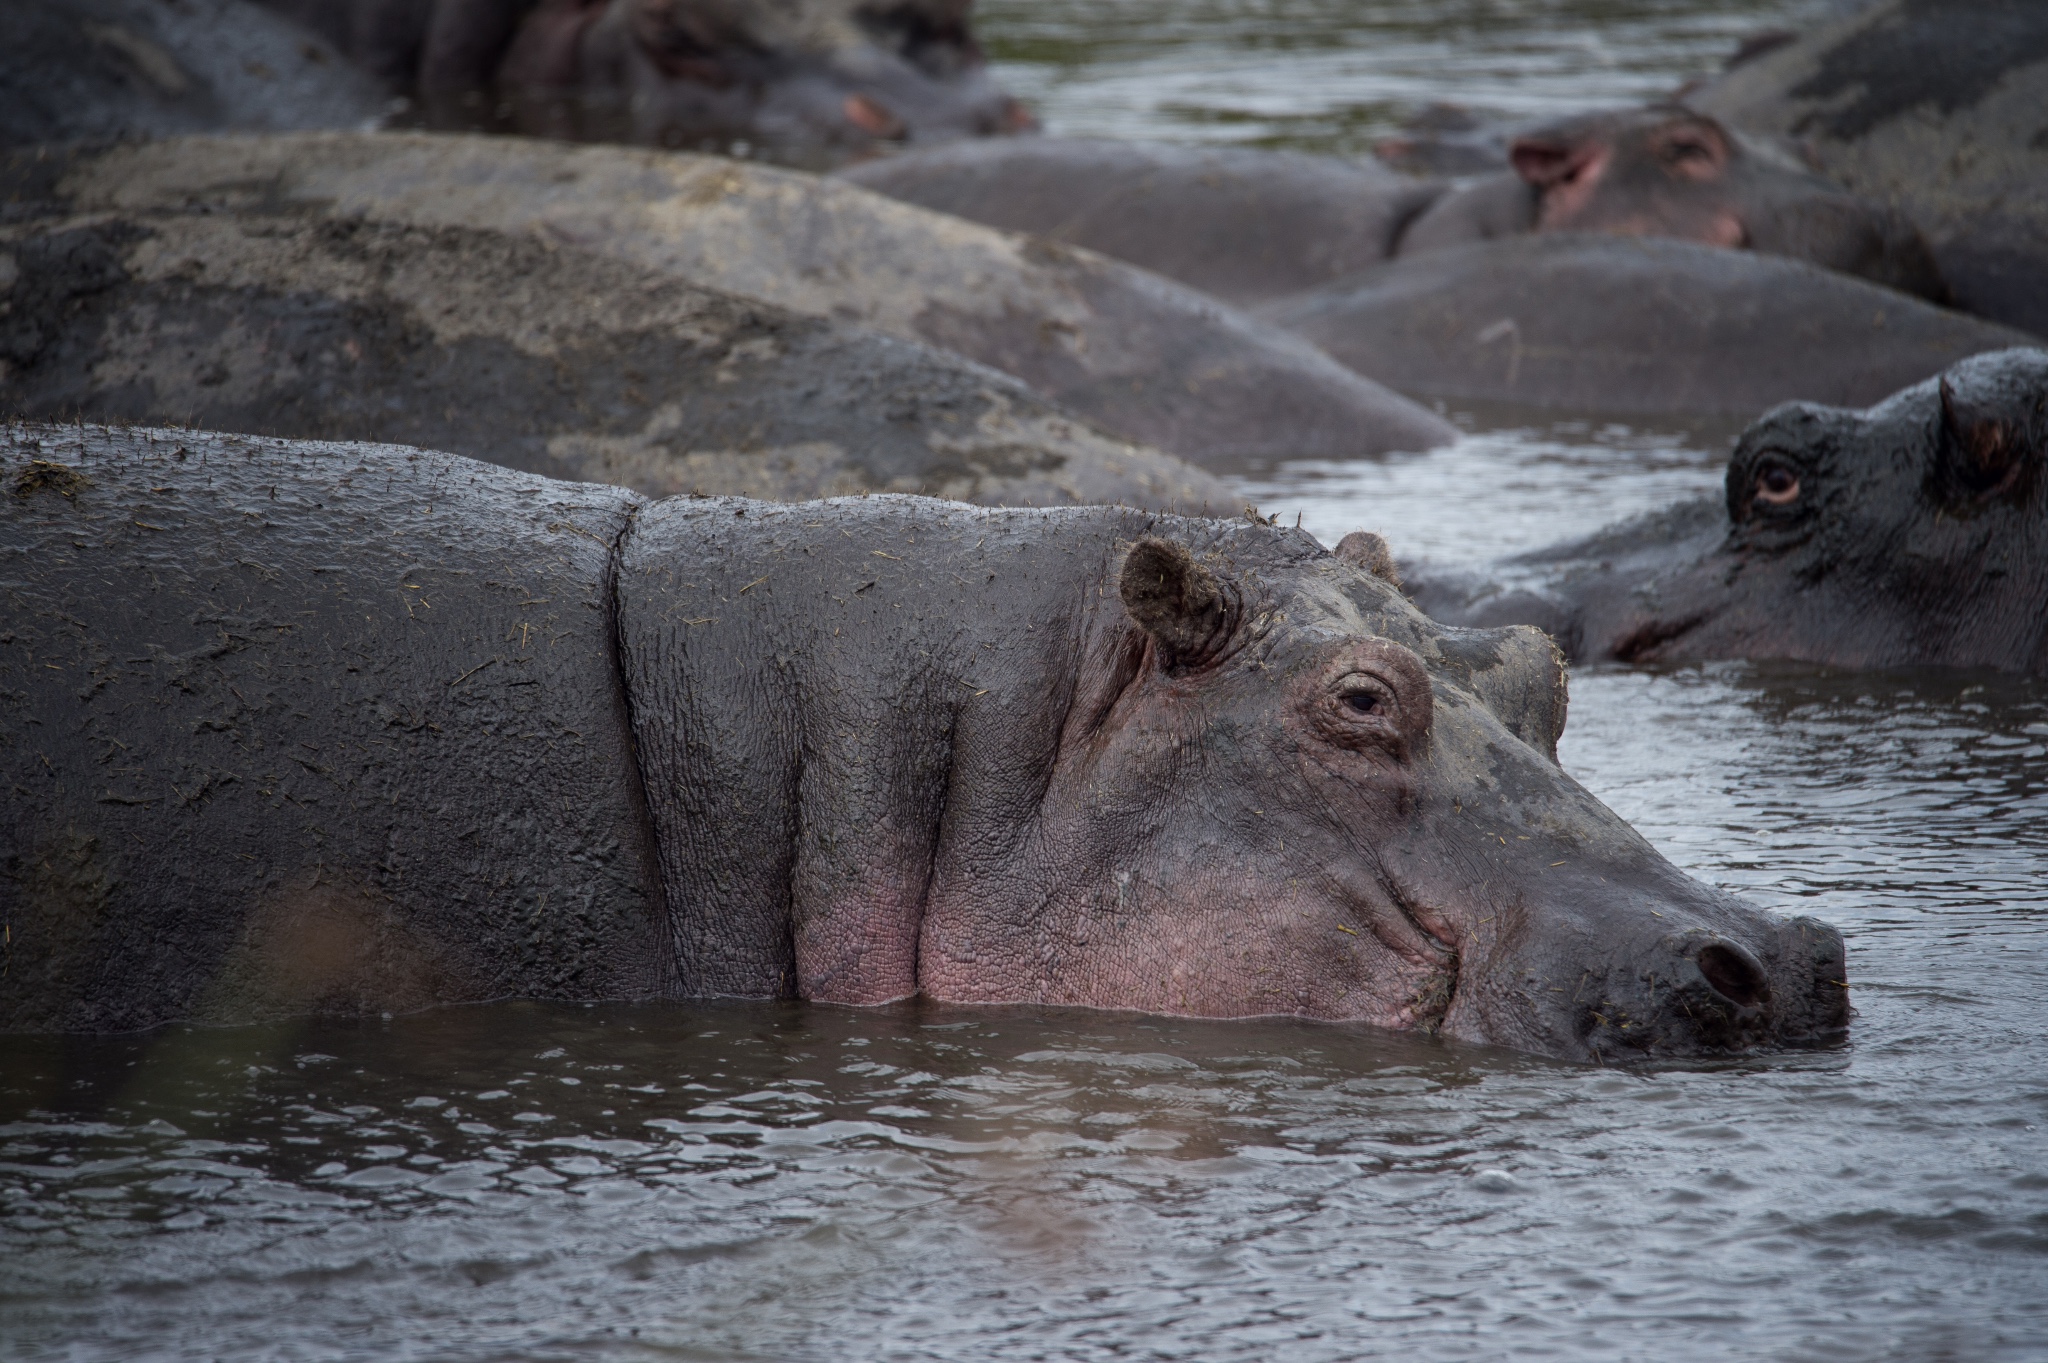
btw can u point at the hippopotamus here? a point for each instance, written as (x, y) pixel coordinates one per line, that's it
(808, 83)
(1914, 532)
(1935, 109)
(527, 353)
(97, 69)
(1630, 326)
(1250, 225)
(1134, 354)
(360, 728)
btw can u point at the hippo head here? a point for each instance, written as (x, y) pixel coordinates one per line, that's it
(1666, 171)
(813, 83)
(1913, 532)
(1280, 789)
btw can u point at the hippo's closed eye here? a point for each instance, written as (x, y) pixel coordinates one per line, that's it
(1691, 152)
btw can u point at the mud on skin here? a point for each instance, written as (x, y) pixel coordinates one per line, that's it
(1129, 352)
(359, 727)
(526, 353)
(1915, 532)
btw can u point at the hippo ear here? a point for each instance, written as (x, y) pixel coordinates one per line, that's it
(1369, 552)
(1189, 612)
(1547, 160)
(1986, 443)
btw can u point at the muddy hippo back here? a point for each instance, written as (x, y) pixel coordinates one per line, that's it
(525, 352)
(1130, 352)
(297, 727)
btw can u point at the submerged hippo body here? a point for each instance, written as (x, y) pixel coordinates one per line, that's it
(525, 353)
(1245, 225)
(808, 83)
(1130, 352)
(357, 727)
(1630, 326)
(1915, 532)
(1935, 108)
(1250, 226)
(94, 69)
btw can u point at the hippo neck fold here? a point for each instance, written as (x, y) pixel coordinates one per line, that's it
(807, 689)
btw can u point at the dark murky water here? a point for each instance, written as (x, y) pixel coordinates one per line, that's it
(785, 1183)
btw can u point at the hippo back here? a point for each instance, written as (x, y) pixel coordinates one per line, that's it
(295, 727)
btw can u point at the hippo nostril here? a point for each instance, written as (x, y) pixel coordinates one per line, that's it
(1733, 974)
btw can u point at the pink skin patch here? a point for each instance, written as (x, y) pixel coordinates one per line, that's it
(1566, 177)
(1267, 902)
(872, 118)
(1570, 177)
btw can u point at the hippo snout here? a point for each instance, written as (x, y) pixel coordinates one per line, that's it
(1702, 992)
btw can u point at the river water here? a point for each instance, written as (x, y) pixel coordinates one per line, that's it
(782, 1182)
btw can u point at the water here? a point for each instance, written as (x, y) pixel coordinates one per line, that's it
(792, 1183)
(1336, 75)
(1499, 490)
(786, 1182)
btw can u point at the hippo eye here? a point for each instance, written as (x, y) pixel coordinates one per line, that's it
(1686, 149)
(1375, 704)
(1776, 485)
(1361, 696)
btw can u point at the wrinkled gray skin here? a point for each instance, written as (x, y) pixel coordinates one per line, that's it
(811, 83)
(351, 727)
(1630, 326)
(79, 69)
(1915, 532)
(1933, 107)
(1250, 226)
(1131, 353)
(536, 356)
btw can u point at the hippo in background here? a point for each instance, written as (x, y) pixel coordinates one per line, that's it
(98, 69)
(1665, 171)
(1250, 226)
(1629, 327)
(1130, 353)
(1911, 533)
(812, 83)
(1935, 108)
(528, 353)
(358, 728)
